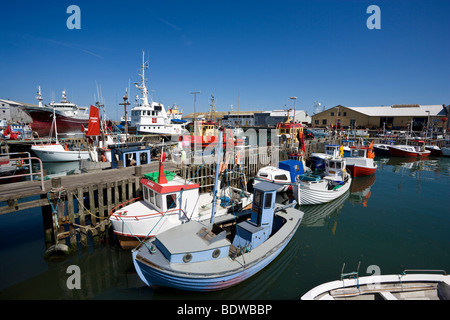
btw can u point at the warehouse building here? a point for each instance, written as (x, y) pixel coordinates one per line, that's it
(397, 117)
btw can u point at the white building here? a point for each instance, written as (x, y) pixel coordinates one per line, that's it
(10, 111)
(241, 119)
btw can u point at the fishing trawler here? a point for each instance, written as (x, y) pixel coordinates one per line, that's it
(151, 117)
(70, 117)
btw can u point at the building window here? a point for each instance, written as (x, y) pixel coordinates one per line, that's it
(316, 121)
(332, 114)
(324, 121)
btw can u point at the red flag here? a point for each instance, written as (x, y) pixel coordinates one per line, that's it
(94, 122)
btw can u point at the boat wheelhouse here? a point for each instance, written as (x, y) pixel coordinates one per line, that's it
(151, 117)
(289, 132)
(360, 161)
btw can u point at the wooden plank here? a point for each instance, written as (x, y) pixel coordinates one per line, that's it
(101, 206)
(92, 204)
(109, 200)
(24, 205)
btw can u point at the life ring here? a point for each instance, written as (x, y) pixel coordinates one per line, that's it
(103, 158)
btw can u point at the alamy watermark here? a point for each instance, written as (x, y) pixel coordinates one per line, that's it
(374, 21)
(74, 20)
(74, 280)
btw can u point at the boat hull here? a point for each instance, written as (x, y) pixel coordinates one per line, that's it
(153, 276)
(382, 285)
(360, 171)
(398, 152)
(381, 150)
(445, 152)
(56, 153)
(43, 117)
(309, 193)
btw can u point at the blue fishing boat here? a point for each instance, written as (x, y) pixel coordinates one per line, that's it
(199, 256)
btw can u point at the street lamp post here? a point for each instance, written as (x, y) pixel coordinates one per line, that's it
(195, 111)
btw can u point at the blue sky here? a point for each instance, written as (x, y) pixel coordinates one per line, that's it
(268, 50)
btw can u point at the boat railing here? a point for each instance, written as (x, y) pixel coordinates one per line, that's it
(353, 274)
(29, 165)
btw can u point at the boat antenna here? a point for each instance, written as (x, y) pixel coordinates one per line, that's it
(39, 96)
(216, 178)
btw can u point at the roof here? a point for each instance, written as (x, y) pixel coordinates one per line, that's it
(402, 110)
(175, 185)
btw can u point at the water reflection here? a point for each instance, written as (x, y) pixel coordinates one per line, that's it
(360, 189)
(325, 214)
(438, 165)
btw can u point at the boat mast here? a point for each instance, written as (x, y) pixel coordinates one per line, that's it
(54, 123)
(39, 97)
(216, 178)
(141, 86)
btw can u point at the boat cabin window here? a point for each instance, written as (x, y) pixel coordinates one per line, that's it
(146, 194)
(335, 164)
(268, 201)
(262, 174)
(257, 199)
(171, 201)
(158, 200)
(280, 177)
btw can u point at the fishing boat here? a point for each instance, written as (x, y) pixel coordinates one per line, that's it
(290, 132)
(360, 161)
(382, 149)
(56, 152)
(317, 159)
(446, 148)
(151, 117)
(282, 176)
(408, 285)
(168, 201)
(325, 187)
(409, 150)
(70, 117)
(199, 256)
(212, 256)
(348, 145)
(434, 149)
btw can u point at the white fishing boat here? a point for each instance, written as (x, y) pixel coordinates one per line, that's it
(446, 148)
(420, 285)
(317, 159)
(56, 152)
(325, 187)
(283, 176)
(198, 256)
(168, 201)
(151, 117)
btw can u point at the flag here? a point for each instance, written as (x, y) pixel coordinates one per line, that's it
(94, 122)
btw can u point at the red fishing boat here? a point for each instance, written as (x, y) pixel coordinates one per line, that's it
(360, 162)
(416, 151)
(70, 117)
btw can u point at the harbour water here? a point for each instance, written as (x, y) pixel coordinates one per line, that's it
(397, 219)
